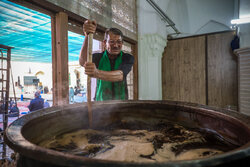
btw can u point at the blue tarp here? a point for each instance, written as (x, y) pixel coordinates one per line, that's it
(29, 32)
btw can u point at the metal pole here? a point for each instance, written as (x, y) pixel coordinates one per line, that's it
(163, 15)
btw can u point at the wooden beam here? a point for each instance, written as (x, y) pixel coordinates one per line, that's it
(60, 59)
(135, 71)
(54, 60)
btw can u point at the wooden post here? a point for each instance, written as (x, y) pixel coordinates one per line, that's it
(135, 71)
(54, 60)
(60, 59)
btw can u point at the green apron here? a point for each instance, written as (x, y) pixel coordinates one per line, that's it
(104, 88)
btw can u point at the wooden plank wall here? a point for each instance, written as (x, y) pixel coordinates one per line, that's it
(222, 71)
(244, 79)
(183, 70)
(245, 83)
(200, 69)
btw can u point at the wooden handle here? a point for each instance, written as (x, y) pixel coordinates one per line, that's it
(89, 59)
(90, 45)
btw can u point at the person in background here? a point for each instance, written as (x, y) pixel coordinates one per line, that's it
(76, 90)
(37, 103)
(40, 87)
(71, 95)
(14, 111)
(11, 103)
(46, 89)
(109, 67)
(46, 104)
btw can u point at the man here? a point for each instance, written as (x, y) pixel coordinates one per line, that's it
(36, 103)
(14, 111)
(71, 95)
(109, 67)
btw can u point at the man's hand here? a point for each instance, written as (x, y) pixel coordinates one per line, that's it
(90, 69)
(89, 27)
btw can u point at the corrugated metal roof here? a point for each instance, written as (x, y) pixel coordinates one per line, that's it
(29, 32)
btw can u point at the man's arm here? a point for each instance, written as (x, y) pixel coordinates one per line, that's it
(83, 53)
(112, 76)
(88, 27)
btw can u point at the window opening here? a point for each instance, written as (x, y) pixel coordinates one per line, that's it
(77, 77)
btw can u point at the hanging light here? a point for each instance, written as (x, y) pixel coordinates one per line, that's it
(241, 20)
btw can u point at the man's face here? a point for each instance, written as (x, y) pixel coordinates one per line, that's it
(114, 44)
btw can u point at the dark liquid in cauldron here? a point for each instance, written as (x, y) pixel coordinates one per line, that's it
(140, 142)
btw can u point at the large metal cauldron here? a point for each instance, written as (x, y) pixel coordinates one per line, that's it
(23, 134)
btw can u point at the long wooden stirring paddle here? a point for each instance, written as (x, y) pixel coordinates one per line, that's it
(89, 59)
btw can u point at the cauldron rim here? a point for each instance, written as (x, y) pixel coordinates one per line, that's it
(17, 142)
